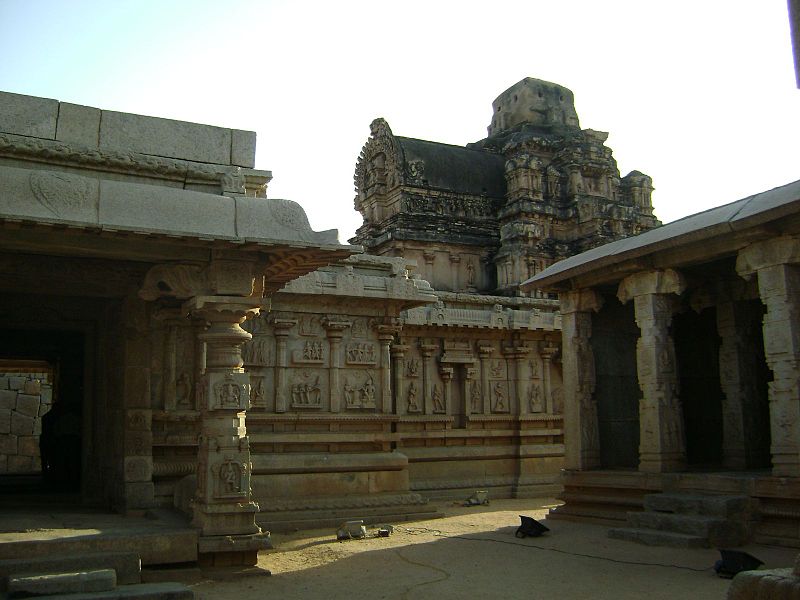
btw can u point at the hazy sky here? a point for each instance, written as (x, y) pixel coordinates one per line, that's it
(699, 94)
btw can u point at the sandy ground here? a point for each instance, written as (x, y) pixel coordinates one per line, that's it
(472, 553)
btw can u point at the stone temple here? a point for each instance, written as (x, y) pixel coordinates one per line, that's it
(175, 342)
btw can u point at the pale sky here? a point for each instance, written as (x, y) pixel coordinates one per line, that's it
(698, 94)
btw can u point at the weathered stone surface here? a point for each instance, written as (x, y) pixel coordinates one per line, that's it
(28, 115)
(32, 387)
(81, 582)
(126, 565)
(266, 218)
(21, 424)
(8, 443)
(8, 399)
(28, 405)
(5, 420)
(775, 584)
(145, 207)
(47, 393)
(651, 537)
(165, 137)
(16, 383)
(20, 464)
(243, 148)
(78, 124)
(138, 468)
(28, 445)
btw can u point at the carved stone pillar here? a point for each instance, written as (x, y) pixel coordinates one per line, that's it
(519, 356)
(335, 331)
(547, 353)
(170, 381)
(447, 378)
(427, 351)
(223, 508)
(776, 264)
(485, 353)
(281, 328)
(398, 352)
(386, 334)
(736, 380)
(469, 394)
(455, 265)
(581, 435)
(429, 256)
(662, 445)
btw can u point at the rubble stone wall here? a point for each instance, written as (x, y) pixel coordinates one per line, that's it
(24, 399)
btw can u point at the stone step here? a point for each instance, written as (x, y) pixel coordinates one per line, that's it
(699, 504)
(652, 537)
(165, 547)
(42, 584)
(298, 520)
(718, 531)
(595, 513)
(126, 565)
(141, 591)
(679, 523)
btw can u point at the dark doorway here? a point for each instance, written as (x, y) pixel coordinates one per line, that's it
(51, 429)
(697, 350)
(614, 336)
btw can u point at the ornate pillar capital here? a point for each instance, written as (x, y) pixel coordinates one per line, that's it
(667, 281)
(583, 300)
(784, 250)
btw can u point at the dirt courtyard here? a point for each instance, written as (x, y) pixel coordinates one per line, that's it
(472, 553)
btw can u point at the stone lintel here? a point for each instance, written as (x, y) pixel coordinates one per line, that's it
(667, 281)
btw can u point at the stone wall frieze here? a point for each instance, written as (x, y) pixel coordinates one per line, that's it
(54, 152)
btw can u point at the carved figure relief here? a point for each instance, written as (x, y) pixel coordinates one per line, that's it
(257, 351)
(230, 478)
(534, 369)
(438, 400)
(413, 407)
(475, 396)
(499, 390)
(496, 369)
(535, 398)
(470, 274)
(257, 391)
(359, 328)
(368, 394)
(309, 325)
(412, 367)
(183, 392)
(228, 393)
(307, 393)
(350, 398)
(312, 353)
(361, 353)
(361, 397)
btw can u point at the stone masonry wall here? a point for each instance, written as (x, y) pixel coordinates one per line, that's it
(24, 399)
